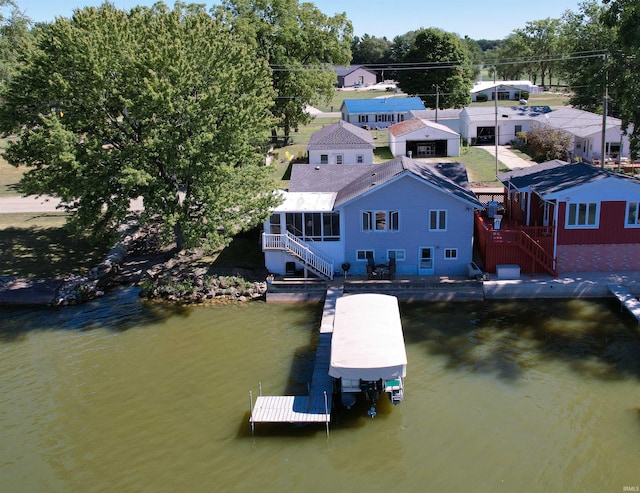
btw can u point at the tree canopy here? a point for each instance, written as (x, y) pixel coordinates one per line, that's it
(165, 104)
(437, 67)
(301, 44)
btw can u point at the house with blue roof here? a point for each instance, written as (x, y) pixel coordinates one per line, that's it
(417, 216)
(379, 112)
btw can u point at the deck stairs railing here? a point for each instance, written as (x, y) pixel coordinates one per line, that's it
(308, 256)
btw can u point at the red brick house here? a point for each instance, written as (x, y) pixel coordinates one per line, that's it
(561, 217)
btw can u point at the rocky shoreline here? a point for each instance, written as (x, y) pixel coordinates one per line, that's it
(138, 259)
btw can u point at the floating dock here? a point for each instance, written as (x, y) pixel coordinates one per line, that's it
(312, 408)
(629, 301)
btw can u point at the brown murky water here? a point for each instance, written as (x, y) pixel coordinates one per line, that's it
(124, 396)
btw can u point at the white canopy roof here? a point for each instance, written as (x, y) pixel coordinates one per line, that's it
(367, 340)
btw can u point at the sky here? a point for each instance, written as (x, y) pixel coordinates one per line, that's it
(489, 19)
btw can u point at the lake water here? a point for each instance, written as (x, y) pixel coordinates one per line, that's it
(120, 395)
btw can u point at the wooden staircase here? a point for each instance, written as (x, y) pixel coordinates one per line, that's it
(303, 252)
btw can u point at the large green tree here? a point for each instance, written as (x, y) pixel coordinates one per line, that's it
(14, 38)
(301, 44)
(624, 65)
(164, 104)
(437, 67)
(587, 39)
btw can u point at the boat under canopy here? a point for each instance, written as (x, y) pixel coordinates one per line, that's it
(367, 348)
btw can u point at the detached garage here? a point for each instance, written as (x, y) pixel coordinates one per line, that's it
(420, 138)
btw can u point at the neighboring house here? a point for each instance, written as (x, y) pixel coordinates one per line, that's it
(379, 112)
(507, 90)
(341, 143)
(449, 117)
(478, 123)
(354, 76)
(420, 215)
(586, 130)
(421, 138)
(571, 217)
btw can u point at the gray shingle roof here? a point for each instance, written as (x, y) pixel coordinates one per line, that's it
(578, 122)
(450, 177)
(341, 135)
(351, 181)
(554, 176)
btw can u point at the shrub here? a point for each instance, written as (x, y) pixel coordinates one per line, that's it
(482, 98)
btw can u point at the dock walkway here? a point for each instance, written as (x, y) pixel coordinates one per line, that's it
(315, 407)
(629, 301)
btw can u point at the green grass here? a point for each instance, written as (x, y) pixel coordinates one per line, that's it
(481, 166)
(9, 175)
(37, 245)
(340, 96)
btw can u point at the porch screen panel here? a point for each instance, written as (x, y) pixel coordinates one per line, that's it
(331, 224)
(313, 225)
(294, 223)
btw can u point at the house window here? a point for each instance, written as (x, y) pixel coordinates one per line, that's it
(364, 255)
(451, 253)
(613, 150)
(360, 159)
(338, 158)
(633, 214)
(274, 224)
(324, 158)
(397, 255)
(437, 220)
(363, 118)
(582, 215)
(314, 226)
(380, 220)
(518, 130)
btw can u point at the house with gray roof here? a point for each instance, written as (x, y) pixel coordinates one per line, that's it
(379, 112)
(341, 143)
(354, 76)
(333, 218)
(565, 217)
(478, 123)
(585, 128)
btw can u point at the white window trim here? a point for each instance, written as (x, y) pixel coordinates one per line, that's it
(398, 250)
(454, 250)
(446, 220)
(372, 221)
(581, 226)
(358, 259)
(626, 215)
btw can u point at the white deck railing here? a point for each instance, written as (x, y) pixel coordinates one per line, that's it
(301, 250)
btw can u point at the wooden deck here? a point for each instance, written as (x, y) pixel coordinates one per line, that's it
(315, 407)
(629, 301)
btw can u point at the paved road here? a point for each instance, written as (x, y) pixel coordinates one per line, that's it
(41, 204)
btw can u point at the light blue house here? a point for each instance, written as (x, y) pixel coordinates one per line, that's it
(333, 218)
(379, 112)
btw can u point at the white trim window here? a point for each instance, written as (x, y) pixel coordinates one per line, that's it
(360, 158)
(582, 215)
(451, 254)
(364, 255)
(339, 158)
(437, 220)
(633, 215)
(397, 255)
(380, 221)
(324, 158)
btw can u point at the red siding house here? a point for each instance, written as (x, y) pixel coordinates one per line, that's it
(561, 217)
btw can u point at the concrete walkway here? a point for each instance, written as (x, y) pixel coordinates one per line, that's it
(508, 158)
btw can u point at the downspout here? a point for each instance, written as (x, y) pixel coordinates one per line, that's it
(555, 234)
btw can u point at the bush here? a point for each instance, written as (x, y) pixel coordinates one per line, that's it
(482, 98)
(524, 95)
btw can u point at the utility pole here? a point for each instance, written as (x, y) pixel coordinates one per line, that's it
(437, 87)
(605, 109)
(495, 105)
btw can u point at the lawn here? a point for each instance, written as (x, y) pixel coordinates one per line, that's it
(9, 175)
(38, 245)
